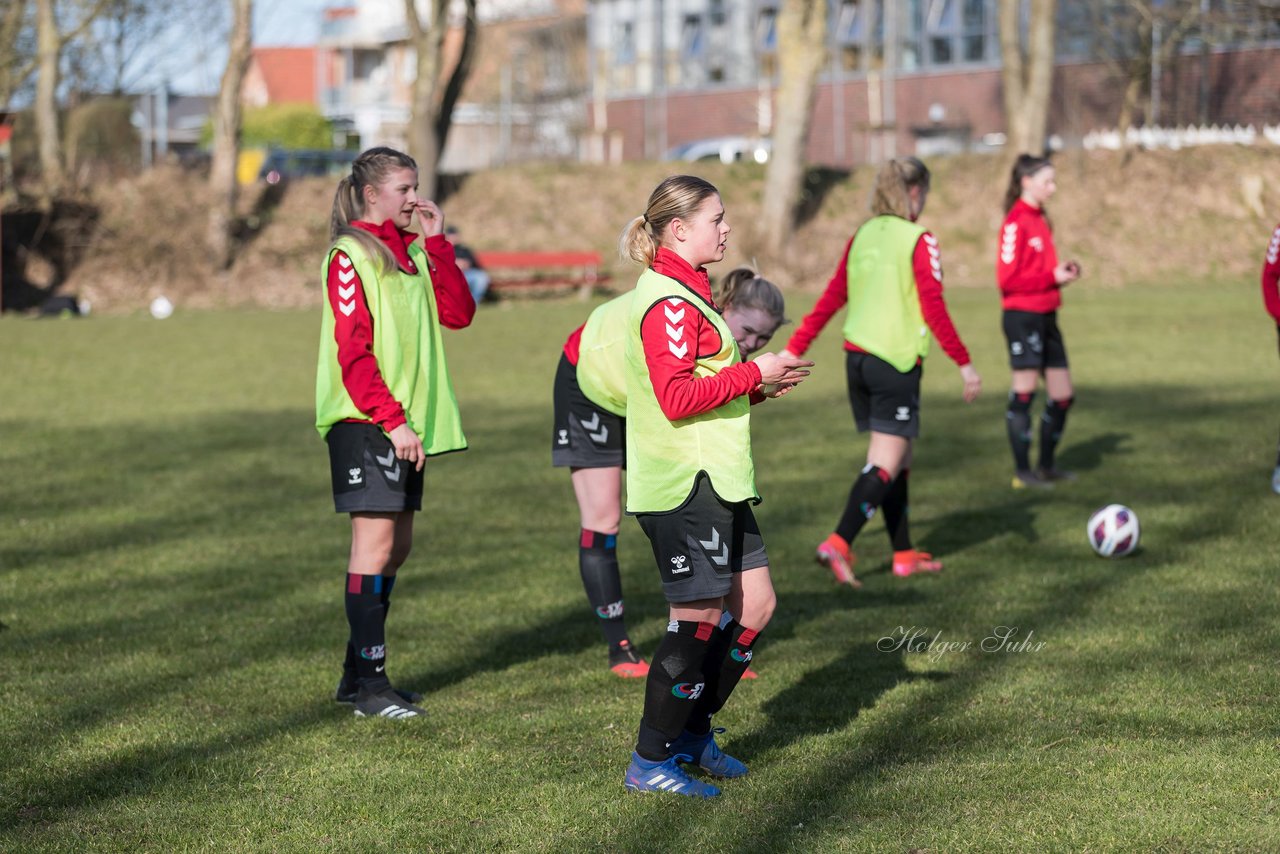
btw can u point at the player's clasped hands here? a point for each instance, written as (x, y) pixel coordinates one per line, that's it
(781, 372)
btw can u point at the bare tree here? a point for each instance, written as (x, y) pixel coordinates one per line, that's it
(1027, 73)
(17, 55)
(50, 42)
(802, 53)
(226, 137)
(435, 94)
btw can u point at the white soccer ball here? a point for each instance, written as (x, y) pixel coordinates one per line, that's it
(161, 308)
(1113, 531)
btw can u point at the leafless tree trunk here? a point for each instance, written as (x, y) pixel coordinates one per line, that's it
(802, 52)
(46, 104)
(226, 138)
(1028, 73)
(434, 96)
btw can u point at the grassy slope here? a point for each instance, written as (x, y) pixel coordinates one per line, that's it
(1159, 216)
(170, 581)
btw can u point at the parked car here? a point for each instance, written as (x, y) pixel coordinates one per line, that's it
(726, 149)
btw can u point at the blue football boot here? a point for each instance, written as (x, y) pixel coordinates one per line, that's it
(707, 754)
(644, 775)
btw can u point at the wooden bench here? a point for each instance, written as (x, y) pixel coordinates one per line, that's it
(511, 270)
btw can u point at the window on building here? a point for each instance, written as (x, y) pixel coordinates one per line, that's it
(850, 29)
(624, 43)
(717, 13)
(767, 30)
(974, 31)
(693, 41)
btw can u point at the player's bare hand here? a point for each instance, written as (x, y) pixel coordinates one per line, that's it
(776, 390)
(430, 217)
(778, 369)
(972, 383)
(408, 446)
(1065, 274)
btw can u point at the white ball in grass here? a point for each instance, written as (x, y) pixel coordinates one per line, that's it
(161, 308)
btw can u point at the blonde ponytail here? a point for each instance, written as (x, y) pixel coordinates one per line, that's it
(637, 244)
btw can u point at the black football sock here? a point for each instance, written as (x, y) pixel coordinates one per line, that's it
(896, 510)
(1018, 423)
(366, 614)
(1051, 425)
(674, 684)
(598, 565)
(728, 657)
(865, 497)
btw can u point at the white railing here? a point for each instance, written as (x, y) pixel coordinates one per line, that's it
(1181, 137)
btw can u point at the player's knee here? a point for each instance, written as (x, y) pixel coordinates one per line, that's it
(757, 609)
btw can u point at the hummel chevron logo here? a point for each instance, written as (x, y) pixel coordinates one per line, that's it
(346, 276)
(678, 352)
(347, 292)
(393, 475)
(347, 307)
(711, 545)
(344, 262)
(675, 333)
(673, 316)
(592, 424)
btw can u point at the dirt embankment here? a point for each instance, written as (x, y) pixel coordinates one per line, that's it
(1157, 216)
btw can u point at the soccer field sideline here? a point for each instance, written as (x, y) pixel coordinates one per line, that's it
(170, 568)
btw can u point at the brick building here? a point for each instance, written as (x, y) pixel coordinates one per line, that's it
(906, 76)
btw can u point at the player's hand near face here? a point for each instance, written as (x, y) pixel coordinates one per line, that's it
(408, 446)
(430, 218)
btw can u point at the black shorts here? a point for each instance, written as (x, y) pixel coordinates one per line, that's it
(367, 477)
(884, 399)
(702, 543)
(585, 435)
(1035, 341)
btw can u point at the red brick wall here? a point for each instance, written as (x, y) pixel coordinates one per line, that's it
(1086, 97)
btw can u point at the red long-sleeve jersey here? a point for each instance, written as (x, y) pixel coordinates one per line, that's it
(573, 345)
(353, 329)
(1271, 277)
(674, 334)
(1025, 262)
(926, 265)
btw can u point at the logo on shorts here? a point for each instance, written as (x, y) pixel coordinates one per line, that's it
(593, 423)
(390, 467)
(739, 655)
(354, 476)
(904, 413)
(374, 653)
(687, 690)
(1033, 341)
(612, 611)
(1016, 348)
(711, 545)
(563, 437)
(679, 563)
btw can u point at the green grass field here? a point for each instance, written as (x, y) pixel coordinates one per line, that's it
(171, 579)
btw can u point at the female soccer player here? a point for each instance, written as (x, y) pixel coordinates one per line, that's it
(384, 402)
(691, 482)
(1271, 298)
(1030, 279)
(590, 420)
(891, 277)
